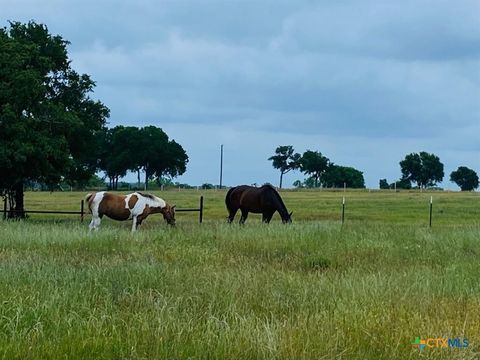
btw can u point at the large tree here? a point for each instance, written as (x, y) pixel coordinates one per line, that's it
(314, 164)
(47, 119)
(465, 178)
(422, 168)
(285, 160)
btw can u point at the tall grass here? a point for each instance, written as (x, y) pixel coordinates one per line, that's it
(311, 290)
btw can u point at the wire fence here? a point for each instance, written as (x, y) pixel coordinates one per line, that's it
(6, 211)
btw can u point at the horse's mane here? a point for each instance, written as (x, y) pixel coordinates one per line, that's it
(150, 196)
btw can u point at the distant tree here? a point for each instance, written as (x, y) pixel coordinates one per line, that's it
(95, 182)
(117, 154)
(285, 160)
(403, 183)
(465, 178)
(298, 184)
(309, 182)
(164, 181)
(160, 156)
(337, 176)
(384, 184)
(423, 168)
(315, 164)
(48, 122)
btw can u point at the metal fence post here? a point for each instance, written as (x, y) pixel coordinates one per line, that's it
(81, 210)
(201, 210)
(431, 206)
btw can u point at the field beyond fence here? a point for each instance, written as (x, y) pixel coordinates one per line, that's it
(313, 289)
(412, 207)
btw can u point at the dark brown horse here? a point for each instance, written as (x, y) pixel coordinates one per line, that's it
(264, 200)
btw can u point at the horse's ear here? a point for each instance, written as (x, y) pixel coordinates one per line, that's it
(290, 215)
(173, 207)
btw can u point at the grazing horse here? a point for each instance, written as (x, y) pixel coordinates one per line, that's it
(136, 206)
(264, 200)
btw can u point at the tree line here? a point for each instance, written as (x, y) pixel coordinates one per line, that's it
(321, 171)
(422, 170)
(425, 170)
(51, 130)
(147, 149)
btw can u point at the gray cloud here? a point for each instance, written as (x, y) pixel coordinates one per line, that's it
(363, 82)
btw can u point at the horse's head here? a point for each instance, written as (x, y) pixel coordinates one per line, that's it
(288, 218)
(168, 213)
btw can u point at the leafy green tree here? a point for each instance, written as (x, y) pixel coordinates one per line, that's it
(120, 152)
(160, 156)
(48, 122)
(285, 160)
(384, 184)
(336, 176)
(403, 183)
(422, 168)
(315, 164)
(298, 184)
(309, 182)
(465, 178)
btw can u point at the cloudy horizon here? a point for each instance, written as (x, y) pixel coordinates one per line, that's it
(365, 83)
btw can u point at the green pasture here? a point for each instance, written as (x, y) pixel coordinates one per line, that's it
(449, 208)
(309, 290)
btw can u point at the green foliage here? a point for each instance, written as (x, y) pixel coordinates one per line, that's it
(315, 164)
(422, 168)
(384, 184)
(465, 178)
(298, 184)
(120, 147)
(403, 183)
(161, 156)
(148, 148)
(337, 176)
(285, 160)
(47, 120)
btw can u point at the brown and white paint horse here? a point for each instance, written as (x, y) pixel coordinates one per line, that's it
(136, 206)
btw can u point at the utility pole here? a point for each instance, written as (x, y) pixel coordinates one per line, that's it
(221, 164)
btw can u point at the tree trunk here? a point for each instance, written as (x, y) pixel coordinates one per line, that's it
(281, 179)
(138, 177)
(15, 199)
(146, 179)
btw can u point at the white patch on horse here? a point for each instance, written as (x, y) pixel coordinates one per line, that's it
(142, 202)
(96, 202)
(95, 223)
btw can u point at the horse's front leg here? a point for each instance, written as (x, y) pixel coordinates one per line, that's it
(266, 217)
(134, 224)
(95, 223)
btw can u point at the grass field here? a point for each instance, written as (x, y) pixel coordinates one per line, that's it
(310, 290)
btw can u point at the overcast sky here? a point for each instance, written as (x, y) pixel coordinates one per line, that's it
(363, 82)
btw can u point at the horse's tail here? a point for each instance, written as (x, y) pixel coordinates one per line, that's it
(227, 197)
(87, 199)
